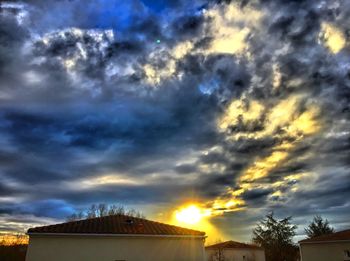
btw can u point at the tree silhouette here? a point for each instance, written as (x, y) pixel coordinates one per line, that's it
(276, 237)
(102, 210)
(318, 227)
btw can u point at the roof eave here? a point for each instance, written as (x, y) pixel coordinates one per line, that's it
(326, 241)
(115, 235)
(228, 248)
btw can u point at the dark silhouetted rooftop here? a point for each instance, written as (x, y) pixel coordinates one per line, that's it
(231, 244)
(337, 236)
(116, 224)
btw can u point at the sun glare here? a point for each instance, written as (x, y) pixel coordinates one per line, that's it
(189, 215)
(194, 216)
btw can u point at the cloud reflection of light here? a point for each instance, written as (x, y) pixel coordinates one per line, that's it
(334, 38)
(286, 116)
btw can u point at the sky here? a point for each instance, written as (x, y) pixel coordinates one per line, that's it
(232, 108)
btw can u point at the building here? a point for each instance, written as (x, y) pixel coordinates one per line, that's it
(334, 246)
(115, 238)
(234, 251)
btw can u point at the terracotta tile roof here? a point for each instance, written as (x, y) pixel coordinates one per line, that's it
(337, 236)
(116, 224)
(231, 244)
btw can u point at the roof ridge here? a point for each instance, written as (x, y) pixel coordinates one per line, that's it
(326, 236)
(116, 224)
(233, 244)
(157, 222)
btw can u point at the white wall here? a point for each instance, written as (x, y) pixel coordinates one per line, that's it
(99, 248)
(238, 254)
(324, 251)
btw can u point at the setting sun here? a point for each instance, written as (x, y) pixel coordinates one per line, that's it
(190, 215)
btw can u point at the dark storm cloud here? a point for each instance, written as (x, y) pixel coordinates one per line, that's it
(328, 203)
(40, 208)
(98, 14)
(78, 104)
(211, 187)
(128, 194)
(256, 196)
(137, 130)
(186, 168)
(249, 147)
(6, 190)
(188, 26)
(12, 37)
(213, 157)
(294, 167)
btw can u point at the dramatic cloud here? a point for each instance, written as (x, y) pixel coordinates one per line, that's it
(239, 106)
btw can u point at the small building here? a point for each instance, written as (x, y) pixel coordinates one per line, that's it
(115, 238)
(234, 251)
(330, 247)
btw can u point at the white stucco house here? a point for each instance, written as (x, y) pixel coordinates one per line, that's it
(115, 238)
(234, 251)
(332, 247)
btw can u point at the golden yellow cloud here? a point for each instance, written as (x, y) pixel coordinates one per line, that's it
(286, 115)
(241, 110)
(152, 76)
(333, 37)
(262, 167)
(283, 116)
(230, 28)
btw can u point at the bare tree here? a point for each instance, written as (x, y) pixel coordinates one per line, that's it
(91, 211)
(116, 209)
(102, 210)
(76, 216)
(134, 213)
